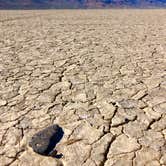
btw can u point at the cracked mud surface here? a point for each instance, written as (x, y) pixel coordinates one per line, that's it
(100, 75)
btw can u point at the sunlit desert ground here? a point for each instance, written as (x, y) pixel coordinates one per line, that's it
(99, 74)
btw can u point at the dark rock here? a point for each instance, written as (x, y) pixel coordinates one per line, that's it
(45, 140)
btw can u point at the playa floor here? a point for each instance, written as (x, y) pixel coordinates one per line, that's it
(99, 74)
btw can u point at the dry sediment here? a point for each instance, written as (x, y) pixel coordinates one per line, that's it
(99, 74)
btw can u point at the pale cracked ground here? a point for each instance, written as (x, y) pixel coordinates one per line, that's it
(100, 75)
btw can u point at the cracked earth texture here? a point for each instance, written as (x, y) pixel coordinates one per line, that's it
(99, 74)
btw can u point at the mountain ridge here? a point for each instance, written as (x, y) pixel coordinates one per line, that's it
(76, 4)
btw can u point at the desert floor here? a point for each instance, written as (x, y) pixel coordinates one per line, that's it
(98, 74)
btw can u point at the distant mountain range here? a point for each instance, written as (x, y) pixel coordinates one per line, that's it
(62, 4)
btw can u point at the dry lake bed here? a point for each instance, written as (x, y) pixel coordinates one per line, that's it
(99, 74)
